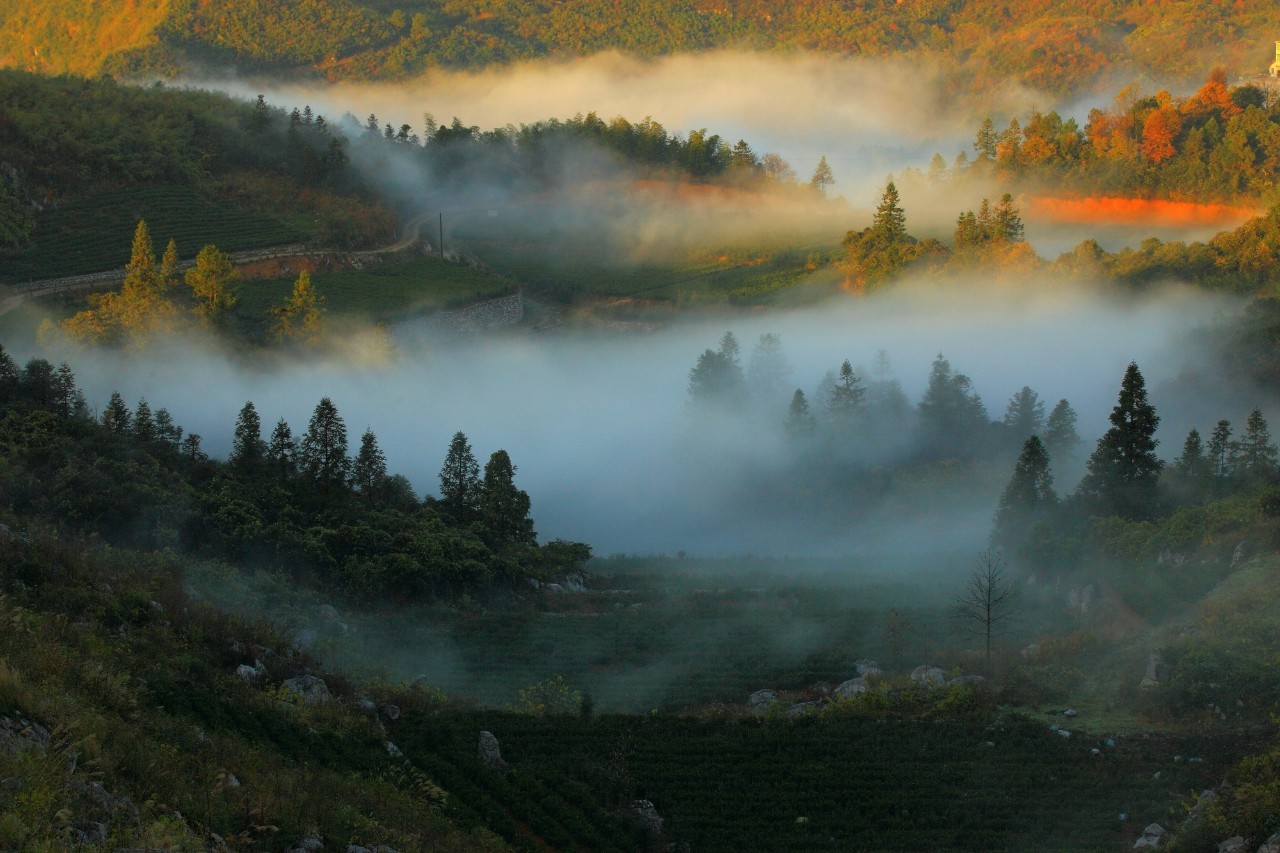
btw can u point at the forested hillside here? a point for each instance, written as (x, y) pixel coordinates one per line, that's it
(1053, 45)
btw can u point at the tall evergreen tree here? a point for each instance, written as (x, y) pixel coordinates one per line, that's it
(211, 281)
(800, 422)
(1026, 499)
(822, 176)
(116, 416)
(1124, 469)
(717, 377)
(282, 450)
(768, 373)
(247, 446)
(952, 416)
(890, 221)
(1190, 474)
(144, 425)
(1219, 451)
(65, 393)
(1006, 223)
(504, 509)
(369, 471)
(323, 452)
(1024, 416)
(460, 481)
(168, 270)
(166, 430)
(301, 317)
(1256, 453)
(9, 376)
(846, 396)
(1060, 436)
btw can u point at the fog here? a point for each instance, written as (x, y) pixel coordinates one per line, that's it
(611, 453)
(868, 117)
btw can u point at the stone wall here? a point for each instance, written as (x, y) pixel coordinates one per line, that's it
(484, 316)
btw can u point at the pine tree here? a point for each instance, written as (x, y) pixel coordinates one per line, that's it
(460, 481)
(211, 281)
(1006, 223)
(168, 271)
(768, 372)
(985, 143)
(1060, 436)
(301, 317)
(846, 397)
(504, 509)
(260, 118)
(142, 276)
(282, 451)
(890, 222)
(800, 422)
(9, 376)
(1190, 474)
(116, 416)
(822, 176)
(191, 448)
(167, 430)
(65, 392)
(323, 452)
(717, 377)
(144, 426)
(1124, 469)
(1219, 452)
(1024, 416)
(1256, 456)
(1027, 498)
(369, 472)
(952, 416)
(247, 447)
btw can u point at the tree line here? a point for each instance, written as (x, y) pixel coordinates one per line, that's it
(301, 504)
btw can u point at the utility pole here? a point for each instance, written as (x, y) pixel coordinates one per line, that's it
(442, 235)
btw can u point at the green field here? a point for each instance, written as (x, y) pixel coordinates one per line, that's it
(94, 233)
(396, 288)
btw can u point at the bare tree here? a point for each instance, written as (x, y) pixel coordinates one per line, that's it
(985, 607)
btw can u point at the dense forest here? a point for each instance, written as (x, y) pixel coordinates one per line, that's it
(1056, 47)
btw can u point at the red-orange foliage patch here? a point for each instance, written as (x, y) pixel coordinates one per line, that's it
(1136, 211)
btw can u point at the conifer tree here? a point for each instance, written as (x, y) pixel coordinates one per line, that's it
(167, 430)
(504, 509)
(369, 471)
(144, 426)
(1219, 451)
(1024, 416)
(168, 271)
(323, 451)
(65, 393)
(890, 221)
(800, 422)
(211, 281)
(116, 416)
(1027, 498)
(460, 481)
(1124, 469)
(1256, 454)
(768, 372)
(301, 317)
(247, 447)
(282, 450)
(1060, 436)
(846, 396)
(822, 176)
(191, 448)
(9, 377)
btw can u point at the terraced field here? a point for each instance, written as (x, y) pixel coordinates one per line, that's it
(94, 233)
(838, 781)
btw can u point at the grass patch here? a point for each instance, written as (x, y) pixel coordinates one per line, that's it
(383, 292)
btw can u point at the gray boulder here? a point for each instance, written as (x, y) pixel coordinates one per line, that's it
(393, 750)
(1154, 836)
(928, 676)
(491, 753)
(17, 734)
(762, 699)
(1031, 651)
(1155, 664)
(308, 688)
(648, 815)
(1271, 845)
(868, 668)
(575, 583)
(852, 687)
(1240, 554)
(391, 712)
(1234, 844)
(252, 674)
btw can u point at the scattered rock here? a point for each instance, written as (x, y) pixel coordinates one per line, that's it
(491, 753)
(1070, 712)
(928, 676)
(87, 832)
(103, 803)
(762, 699)
(250, 674)
(1271, 845)
(391, 712)
(1154, 835)
(393, 750)
(1064, 733)
(1155, 663)
(311, 842)
(1095, 751)
(1240, 554)
(868, 669)
(648, 815)
(533, 584)
(17, 733)
(852, 687)
(575, 583)
(553, 588)
(230, 780)
(1235, 844)
(801, 708)
(367, 706)
(1031, 652)
(327, 613)
(311, 690)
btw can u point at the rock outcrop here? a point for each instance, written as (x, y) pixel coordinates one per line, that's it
(491, 753)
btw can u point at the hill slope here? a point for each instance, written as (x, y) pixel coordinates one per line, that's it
(1052, 45)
